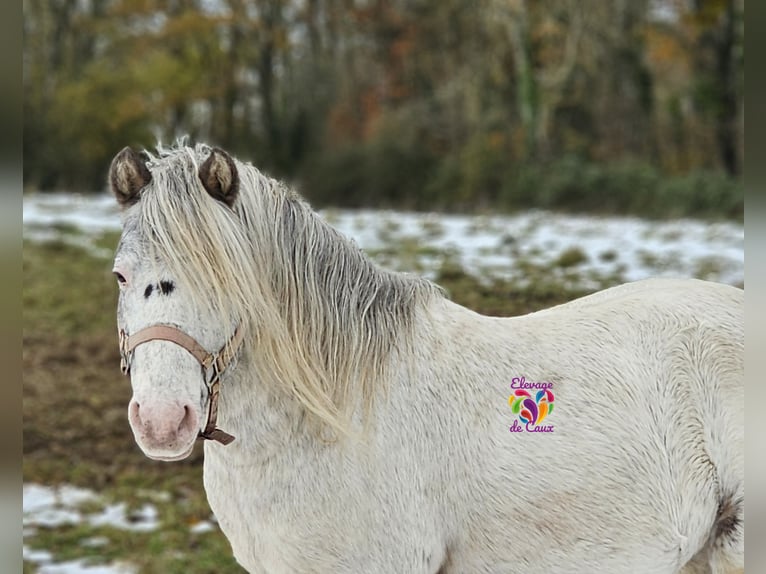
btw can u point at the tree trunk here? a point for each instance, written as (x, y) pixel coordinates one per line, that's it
(526, 82)
(726, 112)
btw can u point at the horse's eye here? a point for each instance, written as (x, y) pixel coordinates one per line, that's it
(120, 278)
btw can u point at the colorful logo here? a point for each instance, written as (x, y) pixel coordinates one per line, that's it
(533, 403)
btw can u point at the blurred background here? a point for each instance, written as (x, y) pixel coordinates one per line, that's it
(519, 153)
(620, 107)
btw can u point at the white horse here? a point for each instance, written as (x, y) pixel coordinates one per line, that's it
(380, 427)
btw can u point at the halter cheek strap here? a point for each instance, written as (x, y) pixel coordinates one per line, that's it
(213, 365)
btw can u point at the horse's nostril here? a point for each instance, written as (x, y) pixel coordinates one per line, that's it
(134, 407)
(189, 419)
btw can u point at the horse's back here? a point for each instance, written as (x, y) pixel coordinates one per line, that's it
(684, 295)
(697, 327)
(647, 428)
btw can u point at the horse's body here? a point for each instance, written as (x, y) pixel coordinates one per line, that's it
(643, 470)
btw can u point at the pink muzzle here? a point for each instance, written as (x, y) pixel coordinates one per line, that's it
(213, 366)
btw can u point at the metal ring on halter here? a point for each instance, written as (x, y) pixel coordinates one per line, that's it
(211, 371)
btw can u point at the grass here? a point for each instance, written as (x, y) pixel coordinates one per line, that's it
(571, 257)
(166, 550)
(75, 405)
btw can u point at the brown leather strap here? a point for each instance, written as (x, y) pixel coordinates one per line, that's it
(168, 333)
(211, 432)
(230, 349)
(219, 362)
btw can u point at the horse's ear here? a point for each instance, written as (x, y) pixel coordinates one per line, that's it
(220, 177)
(128, 175)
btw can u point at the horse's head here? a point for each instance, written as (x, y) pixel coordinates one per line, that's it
(173, 347)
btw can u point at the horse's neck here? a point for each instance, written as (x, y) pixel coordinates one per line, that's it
(262, 419)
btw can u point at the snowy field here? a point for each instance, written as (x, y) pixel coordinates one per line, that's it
(488, 247)
(46, 507)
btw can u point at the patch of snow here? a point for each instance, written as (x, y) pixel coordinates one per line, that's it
(156, 496)
(90, 213)
(144, 519)
(36, 556)
(54, 517)
(50, 507)
(94, 542)
(75, 496)
(83, 566)
(37, 497)
(201, 527)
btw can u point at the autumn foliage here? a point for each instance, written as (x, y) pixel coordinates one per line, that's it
(422, 104)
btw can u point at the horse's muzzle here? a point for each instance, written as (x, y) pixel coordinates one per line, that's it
(164, 430)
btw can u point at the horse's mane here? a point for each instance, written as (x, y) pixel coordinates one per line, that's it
(322, 319)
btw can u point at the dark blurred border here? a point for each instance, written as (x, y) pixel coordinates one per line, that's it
(755, 300)
(11, 14)
(755, 366)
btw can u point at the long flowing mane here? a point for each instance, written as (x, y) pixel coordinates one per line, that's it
(322, 319)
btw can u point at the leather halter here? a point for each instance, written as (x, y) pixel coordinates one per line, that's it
(213, 365)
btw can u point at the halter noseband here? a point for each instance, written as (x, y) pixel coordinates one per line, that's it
(213, 365)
